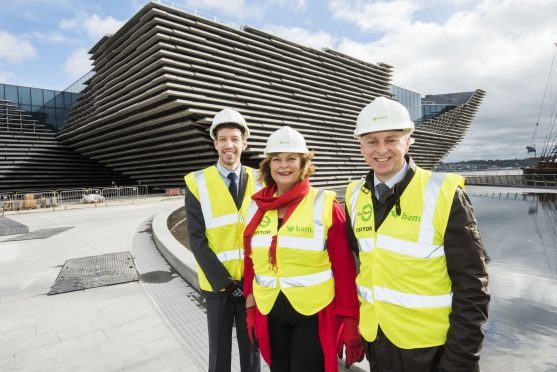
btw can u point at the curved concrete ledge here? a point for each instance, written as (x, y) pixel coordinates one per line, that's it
(178, 256)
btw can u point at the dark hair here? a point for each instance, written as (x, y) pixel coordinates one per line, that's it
(308, 169)
(229, 125)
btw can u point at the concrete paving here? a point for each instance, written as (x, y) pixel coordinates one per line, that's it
(108, 328)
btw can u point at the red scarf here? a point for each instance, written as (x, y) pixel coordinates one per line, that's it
(266, 201)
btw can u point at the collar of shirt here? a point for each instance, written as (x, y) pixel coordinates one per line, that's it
(224, 173)
(391, 182)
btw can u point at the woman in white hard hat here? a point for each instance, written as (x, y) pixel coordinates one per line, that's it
(299, 272)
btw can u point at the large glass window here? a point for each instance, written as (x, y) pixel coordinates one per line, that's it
(49, 98)
(37, 97)
(24, 95)
(11, 94)
(49, 107)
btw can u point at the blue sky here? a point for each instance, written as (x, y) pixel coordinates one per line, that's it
(435, 46)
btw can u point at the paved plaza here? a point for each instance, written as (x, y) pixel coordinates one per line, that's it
(108, 328)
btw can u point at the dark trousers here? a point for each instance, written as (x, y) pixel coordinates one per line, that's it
(384, 356)
(222, 314)
(295, 344)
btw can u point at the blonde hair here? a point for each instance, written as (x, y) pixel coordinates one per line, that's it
(308, 169)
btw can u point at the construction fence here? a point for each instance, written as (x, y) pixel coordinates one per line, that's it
(57, 198)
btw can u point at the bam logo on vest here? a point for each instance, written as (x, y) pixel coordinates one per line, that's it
(306, 229)
(406, 217)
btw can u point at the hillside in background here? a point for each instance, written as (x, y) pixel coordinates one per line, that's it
(484, 164)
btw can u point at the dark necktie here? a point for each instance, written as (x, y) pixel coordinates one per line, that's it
(383, 192)
(232, 187)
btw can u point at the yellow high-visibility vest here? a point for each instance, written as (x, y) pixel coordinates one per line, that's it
(303, 271)
(224, 223)
(403, 284)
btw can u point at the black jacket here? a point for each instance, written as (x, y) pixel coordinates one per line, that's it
(214, 270)
(466, 265)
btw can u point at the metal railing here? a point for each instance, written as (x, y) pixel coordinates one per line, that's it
(516, 180)
(73, 196)
(55, 198)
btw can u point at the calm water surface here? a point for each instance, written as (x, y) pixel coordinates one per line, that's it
(520, 234)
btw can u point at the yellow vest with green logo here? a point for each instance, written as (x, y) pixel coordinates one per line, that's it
(224, 223)
(303, 271)
(403, 284)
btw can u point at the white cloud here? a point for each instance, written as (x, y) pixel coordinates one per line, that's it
(15, 49)
(52, 37)
(503, 47)
(316, 40)
(374, 15)
(95, 26)
(78, 64)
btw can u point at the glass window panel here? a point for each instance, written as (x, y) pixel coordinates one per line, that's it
(59, 99)
(50, 116)
(59, 119)
(11, 94)
(24, 95)
(49, 98)
(2, 93)
(37, 97)
(26, 108)
(37, 108)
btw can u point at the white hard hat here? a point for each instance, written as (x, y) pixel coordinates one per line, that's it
(383, 114)
(228, 116)
(286, 139)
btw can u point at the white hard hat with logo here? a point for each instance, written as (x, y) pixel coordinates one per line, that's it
(228, 116)
(286, 139)
(383, 114)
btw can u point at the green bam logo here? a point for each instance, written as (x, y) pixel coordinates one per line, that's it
(306, 229)
(406, 217)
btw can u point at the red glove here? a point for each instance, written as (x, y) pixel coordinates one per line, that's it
(350, 337)
(250, 323)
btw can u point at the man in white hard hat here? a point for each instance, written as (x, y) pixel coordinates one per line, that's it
(217, 199)
(423, 277)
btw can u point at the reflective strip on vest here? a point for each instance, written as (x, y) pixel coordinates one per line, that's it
(411, 300)
(431, 193)
(365, 293)
(294, 281)
(251, 211)
(210, 221)
(261, 241)
(353, 200)
(366, 244)
(408, 248)
(258, 185)
(306, 280)
(237, 254)
(266, 281)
